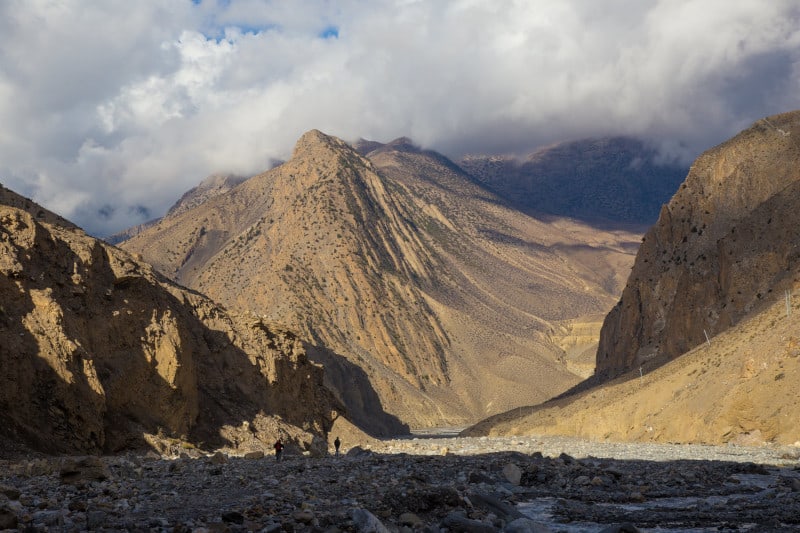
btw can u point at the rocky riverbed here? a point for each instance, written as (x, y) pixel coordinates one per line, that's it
(424, 484)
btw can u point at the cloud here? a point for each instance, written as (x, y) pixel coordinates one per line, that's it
(113, 109)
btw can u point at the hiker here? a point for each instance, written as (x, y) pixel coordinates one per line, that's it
(278, 449)
(336, 445)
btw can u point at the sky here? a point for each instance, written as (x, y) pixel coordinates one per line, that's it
(110, 110)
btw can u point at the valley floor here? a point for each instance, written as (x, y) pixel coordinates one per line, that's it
(481, 484)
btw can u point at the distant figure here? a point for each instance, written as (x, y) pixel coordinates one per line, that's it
(278, 449)
(336, 445)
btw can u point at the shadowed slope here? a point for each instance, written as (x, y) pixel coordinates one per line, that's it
(98, 351)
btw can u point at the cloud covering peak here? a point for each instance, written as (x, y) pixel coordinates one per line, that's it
(113, 109)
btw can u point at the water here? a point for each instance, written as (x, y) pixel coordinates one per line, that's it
(541, 511)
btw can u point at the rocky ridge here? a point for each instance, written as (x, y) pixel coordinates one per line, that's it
(102, 353)
(399, 263)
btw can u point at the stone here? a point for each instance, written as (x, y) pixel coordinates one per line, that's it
(479, 477)
(12, 493)
(366, 522)
(95, 519)
(272, 527)
(410, 519)
(567, 459)
(233, 517)
(257, 454)
(415, 493)
(512, 473)
(358, 451)
(218, 458)
(621, 528)
(83, 470)
(458, 522)
(637, 497)
(493, 505)
(423, 499)
(303, 516)
(525, 525)
(8, 518)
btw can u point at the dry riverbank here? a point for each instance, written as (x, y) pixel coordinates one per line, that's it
(460, 484)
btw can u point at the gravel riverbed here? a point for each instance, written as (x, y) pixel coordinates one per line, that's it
(517, 484)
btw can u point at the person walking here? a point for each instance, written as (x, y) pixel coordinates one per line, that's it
(336, 445)
(278, 449)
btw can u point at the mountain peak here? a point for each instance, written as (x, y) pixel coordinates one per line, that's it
(314, 140)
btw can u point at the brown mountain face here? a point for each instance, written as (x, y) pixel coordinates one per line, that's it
(100, 353)
(614, 181)
(398, 261)
(725, 242)
(704, 341)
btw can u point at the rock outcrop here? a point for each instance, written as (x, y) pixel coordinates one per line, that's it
(725, 243)
(99, 351)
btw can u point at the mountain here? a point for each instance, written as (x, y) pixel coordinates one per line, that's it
(452, 304)
(703, 344)
(212, 186)
(611, 181)
(100, 353)
(725, 242)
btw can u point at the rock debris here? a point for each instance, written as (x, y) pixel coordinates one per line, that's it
(518, 484)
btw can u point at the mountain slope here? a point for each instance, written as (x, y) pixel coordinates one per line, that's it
(98, 350)
(726, 240)
(614, 181)
(402, 264)
(740, 388)
(703, 343)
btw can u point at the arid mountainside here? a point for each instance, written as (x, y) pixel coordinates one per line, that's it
(740, 388)
(613, 181)
(703, 343)
(101, 353)
(727, 240)
(450, 303)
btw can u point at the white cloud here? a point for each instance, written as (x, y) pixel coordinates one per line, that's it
(111, 107)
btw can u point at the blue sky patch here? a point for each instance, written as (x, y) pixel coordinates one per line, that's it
(330, 32)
